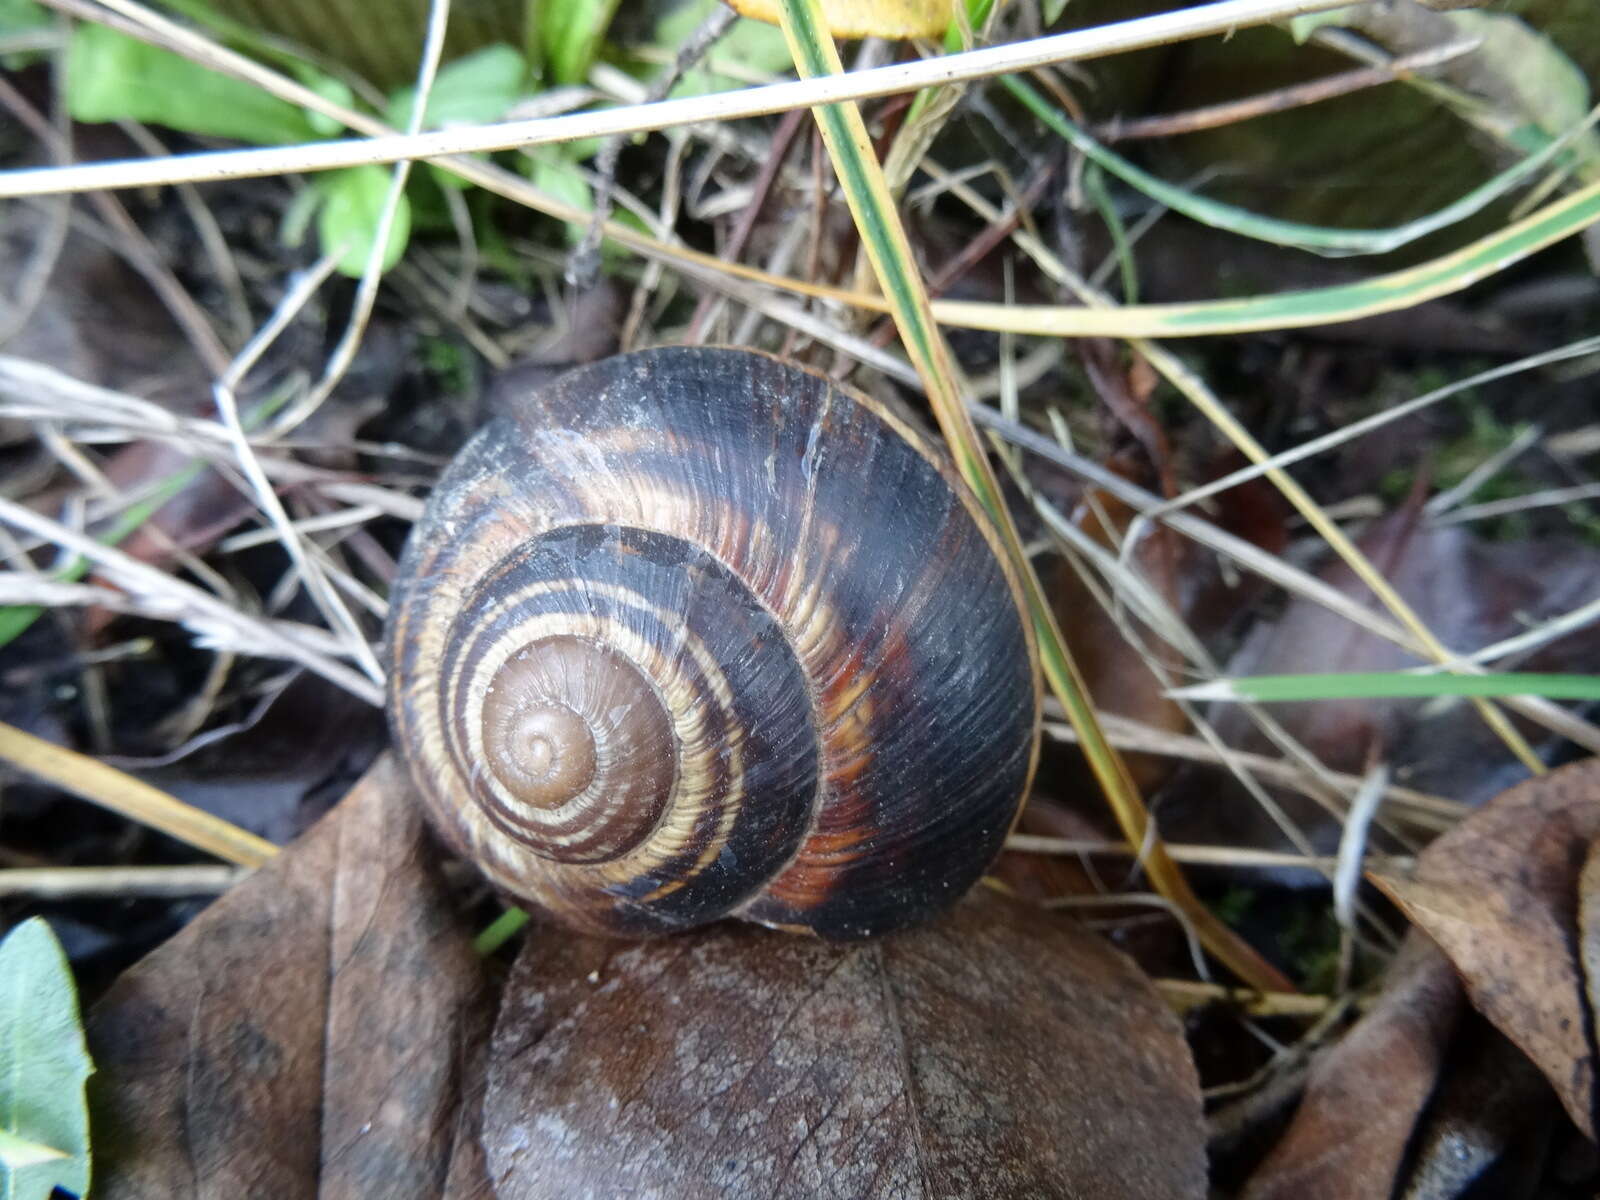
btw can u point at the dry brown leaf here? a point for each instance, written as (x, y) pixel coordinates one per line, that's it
(1486, 1131)
(1499, 893)
(865, 18)
(1348, 1138)
(1589, 924)
(999, 1053)
(304, 1036)
(468, 1178)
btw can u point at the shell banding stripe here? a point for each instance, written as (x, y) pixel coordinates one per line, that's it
(710, 654)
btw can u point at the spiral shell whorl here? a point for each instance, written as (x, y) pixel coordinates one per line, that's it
(577, 749)
(692, 632)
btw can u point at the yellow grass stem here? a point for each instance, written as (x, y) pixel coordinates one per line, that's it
(110, 788)
(883, 235)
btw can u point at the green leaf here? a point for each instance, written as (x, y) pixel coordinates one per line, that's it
(43, 1066)
(1548, 88)
(551, 171)
(570, 32)
(1301, 28)
(329, 88)
(112, 77)
(554, 170)
(16, 1153)
(352, 205)
(21, 16)
(470, 91)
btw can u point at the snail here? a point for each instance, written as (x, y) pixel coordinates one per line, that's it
(691, 633)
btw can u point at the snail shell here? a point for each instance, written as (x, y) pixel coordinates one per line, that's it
(694, 632)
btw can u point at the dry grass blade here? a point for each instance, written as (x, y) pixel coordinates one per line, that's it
(1195, 390)
(1338, 437)
(1438, 812)
(1301, 583)
(1208, 19)
(197, 609)
(1210, 856)
(112, 789)
(1184, 994)
(884, 237)
(69, 883)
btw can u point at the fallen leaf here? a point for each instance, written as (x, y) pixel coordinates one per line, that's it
(1499, 894)
(1486, 1131)
(1348, 1138)
(304, 1036)
(1000, 1052)
(468, 1178)
(44, 1126)
(1589, 924)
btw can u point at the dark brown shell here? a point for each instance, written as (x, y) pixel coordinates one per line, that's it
(694, 632)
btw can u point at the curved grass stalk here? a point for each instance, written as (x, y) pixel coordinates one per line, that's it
(1317, 238)
(1397, 290)
(883, 236)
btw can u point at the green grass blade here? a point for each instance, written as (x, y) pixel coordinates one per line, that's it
(1094, 185)
(500, 931)
(1389, 685)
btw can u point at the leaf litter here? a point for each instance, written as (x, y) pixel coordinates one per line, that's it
(249, 1035)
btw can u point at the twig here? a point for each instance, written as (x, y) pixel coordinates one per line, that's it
(583, 265)
(1299, 95)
